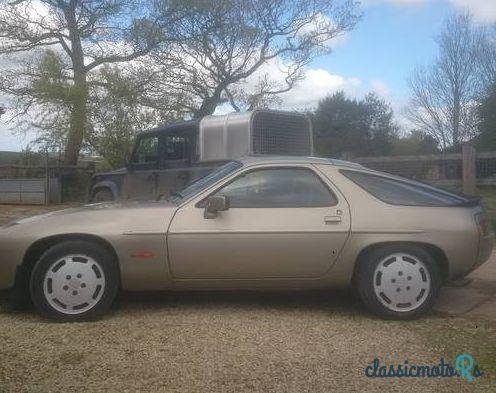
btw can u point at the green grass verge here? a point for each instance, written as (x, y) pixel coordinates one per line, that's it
(453, 337)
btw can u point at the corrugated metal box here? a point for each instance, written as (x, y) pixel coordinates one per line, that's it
(251, 133)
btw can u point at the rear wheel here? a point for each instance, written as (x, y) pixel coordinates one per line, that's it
(74, 281)
(399, 282)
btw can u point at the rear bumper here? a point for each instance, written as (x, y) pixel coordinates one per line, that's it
(486, 245)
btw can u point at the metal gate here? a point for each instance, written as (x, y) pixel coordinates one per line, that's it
(23, 191)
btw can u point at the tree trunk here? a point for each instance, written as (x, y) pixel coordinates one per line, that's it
(78, 120)
(79, 96)
(209, 104)
(456, 117)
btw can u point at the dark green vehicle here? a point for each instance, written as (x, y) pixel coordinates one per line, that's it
(165, 159)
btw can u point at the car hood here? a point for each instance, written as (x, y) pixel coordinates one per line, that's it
(100, 218)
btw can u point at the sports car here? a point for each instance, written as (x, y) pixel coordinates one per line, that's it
(257, 223)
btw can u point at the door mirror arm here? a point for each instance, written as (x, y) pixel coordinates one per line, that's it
(214, 205)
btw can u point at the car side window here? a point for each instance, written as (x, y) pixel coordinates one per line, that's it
(277, 188)
(175, 151)
(176, 147)
(398, 192)
(146, 151)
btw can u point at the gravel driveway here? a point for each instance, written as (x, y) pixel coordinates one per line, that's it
(235, 342)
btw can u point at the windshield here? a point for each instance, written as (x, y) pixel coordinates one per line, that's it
(206, 181)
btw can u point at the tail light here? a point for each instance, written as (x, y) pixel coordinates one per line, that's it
(482, 224)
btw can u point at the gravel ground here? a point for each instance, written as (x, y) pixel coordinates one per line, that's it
(235, 342)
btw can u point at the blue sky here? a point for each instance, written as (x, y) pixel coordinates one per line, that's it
(382, 51)
(387, 43)
(378, 55)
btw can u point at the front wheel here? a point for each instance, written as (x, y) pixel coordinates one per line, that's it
(102, 195)
(398, 282)
(74, 281)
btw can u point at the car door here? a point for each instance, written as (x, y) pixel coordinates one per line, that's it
(283, 222)
(175, 161)
(142, 176)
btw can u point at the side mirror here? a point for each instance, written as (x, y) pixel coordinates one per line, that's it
(215, 204)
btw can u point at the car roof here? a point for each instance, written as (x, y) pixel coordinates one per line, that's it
(266, 159)
(186, 125)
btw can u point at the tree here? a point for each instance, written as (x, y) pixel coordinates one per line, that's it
(487, 112)
(118, 109)
(82, 35)
(415, 143)
(359, 127)
(487, 57)
(222, 43)
(443, 96)
(2, 111)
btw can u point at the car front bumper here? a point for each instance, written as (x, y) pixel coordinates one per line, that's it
(11, 254)
(7, 275)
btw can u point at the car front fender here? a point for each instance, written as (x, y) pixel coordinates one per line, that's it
(111, 185)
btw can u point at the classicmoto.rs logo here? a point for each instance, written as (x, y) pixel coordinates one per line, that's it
(465, 367)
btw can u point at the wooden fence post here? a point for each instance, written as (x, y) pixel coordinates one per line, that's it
(468, 163)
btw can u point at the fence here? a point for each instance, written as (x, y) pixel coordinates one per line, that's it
(55, 184)
(24, 184)
(458, 170)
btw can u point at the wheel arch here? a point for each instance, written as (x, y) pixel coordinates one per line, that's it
(36, 250)
(437, 254)
(105, 185)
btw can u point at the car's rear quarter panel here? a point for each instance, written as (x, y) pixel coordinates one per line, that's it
(450, 229)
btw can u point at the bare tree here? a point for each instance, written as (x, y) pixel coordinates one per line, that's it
(444, 95)
(222, 43)
(487, 57)
(84, 34)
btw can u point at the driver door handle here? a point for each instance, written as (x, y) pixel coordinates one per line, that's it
(332, 219)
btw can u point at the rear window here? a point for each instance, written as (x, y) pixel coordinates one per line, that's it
(404, 192)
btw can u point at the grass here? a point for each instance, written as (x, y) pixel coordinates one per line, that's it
(452, 337)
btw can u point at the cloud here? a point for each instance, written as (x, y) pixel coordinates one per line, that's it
(394, 2)
(306, 93)
(11, 142)
(322, 23)
(319, 83)
(381, 88)
(484, 11)
(36, 14)
(12, 138)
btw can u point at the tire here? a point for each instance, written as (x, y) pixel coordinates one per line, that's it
(398, 282)
(103, 195)
(74, 281)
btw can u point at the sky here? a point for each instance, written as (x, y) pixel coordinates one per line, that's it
(378, 55)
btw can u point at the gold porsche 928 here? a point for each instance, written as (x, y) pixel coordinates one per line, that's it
(256, 223)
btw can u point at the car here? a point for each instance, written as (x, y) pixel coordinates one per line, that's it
(254, 223)
(165, 159)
